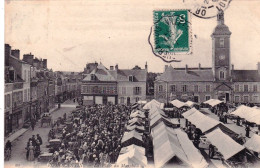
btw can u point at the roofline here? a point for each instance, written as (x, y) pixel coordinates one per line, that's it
(19, 60)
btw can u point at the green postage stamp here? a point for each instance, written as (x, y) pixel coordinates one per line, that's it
(171, 33)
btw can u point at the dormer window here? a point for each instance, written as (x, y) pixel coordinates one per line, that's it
(93, 77)
(131, 78)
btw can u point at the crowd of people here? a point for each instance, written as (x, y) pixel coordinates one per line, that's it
(91, 135)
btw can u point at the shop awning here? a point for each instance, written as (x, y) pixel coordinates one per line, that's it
(225, 144)
(253, 143)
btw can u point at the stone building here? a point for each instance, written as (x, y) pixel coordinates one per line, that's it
(221, 81)
(42, 85)
(131, 84)
(17, 86)
(114, 85)
(99, 87)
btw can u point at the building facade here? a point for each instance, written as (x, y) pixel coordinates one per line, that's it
(124, 86)
(42, 86)
(99, 87)
(131, 84)
(221, 81)
(17, 73)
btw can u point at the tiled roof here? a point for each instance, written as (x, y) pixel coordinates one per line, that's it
(245, 76)
(140, 75)
(101, 73)
(176, 75)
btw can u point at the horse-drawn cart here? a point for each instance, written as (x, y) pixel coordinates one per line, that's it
(54, 145)
(46, 118)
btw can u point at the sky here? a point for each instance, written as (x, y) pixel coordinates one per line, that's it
(72, 33)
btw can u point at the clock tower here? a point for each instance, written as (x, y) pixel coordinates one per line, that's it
(221, 50)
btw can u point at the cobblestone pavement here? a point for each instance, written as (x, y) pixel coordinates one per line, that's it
(18, 158)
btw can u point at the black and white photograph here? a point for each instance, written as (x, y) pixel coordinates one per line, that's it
(130, 84)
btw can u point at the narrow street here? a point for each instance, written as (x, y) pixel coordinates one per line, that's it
(18, 158)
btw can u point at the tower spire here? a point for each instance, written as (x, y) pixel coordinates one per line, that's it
(220, 17)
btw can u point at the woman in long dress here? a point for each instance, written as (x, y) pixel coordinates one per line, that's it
(31, 152)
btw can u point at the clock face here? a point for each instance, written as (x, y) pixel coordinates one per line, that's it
(222, 57)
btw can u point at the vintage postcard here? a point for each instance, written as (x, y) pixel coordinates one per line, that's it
(128, 83)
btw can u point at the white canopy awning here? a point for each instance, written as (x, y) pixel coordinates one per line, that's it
(190, 103)
(213, 102)
(131, 134)
(133, 157)
(131, 147)
(142, 102)
(151, 104)
(133, 127)
(169, 143)
(178, 103)
(248, 113)
(156, 110)
(135, 121)
(225, 144)
(253, 143)
(208, 101)
(138, 113)
(201, 121)
(189, 112)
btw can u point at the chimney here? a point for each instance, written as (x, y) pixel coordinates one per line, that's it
(258, 67)
(146, 66)
(199, 66)
(116, 67)
(15, 53)
(44, 63)
(186, 68)
(111, 68)
(165, 67)
(28, 58)
(232, 67)
(96, 64)
(7, 54)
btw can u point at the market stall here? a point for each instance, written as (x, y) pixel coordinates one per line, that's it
(153, 103)
(179, 104)
(253, 143)
(172, 146)
(133, 157)
(132, 137)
